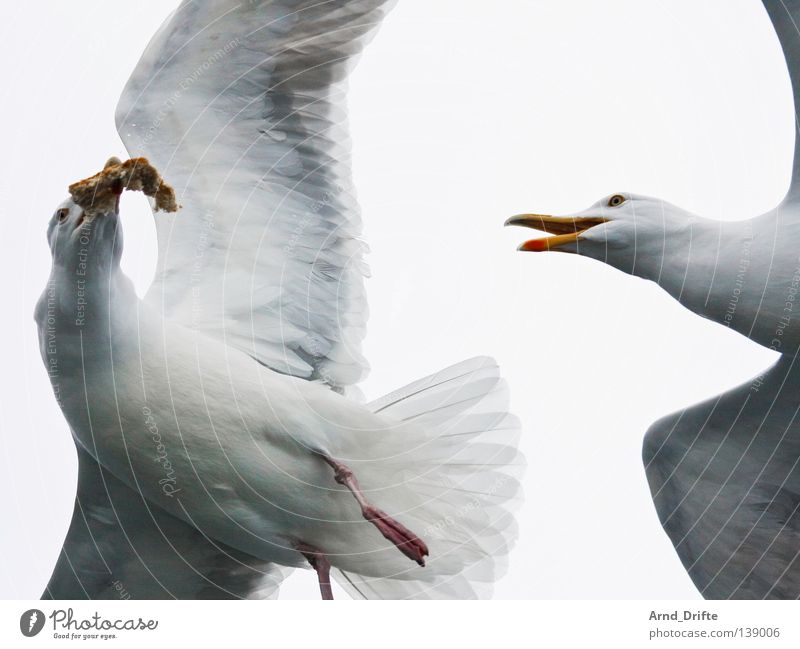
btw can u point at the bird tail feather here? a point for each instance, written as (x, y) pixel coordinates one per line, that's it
(459, 473)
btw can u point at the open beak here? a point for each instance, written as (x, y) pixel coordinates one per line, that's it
(565, 229)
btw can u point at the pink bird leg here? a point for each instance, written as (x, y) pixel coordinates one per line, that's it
(406, 541)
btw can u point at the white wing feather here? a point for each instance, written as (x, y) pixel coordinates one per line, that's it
(241, 106)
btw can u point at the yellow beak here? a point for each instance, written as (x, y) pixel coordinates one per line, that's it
(567, 229)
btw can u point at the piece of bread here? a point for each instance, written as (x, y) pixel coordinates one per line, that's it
(98, 194)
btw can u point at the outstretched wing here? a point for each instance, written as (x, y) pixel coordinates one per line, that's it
(785, 17)
(725, 479)
(119, 546)
(241, 106)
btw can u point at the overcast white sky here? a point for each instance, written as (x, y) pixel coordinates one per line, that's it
(463, 113)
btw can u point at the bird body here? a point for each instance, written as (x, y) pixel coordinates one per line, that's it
(224, 401)
(724, 474)
(237, 450)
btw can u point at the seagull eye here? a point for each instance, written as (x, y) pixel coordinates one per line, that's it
(616, 200)
(62, 214)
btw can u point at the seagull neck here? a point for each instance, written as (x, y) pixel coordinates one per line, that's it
(706, 272)
(88, 302)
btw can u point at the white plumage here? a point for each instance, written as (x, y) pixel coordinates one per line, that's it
(242, 108)
(216, 398)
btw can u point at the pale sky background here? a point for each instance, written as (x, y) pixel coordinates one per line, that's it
(462, 113)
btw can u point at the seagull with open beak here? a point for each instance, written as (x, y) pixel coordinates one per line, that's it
(721, 270)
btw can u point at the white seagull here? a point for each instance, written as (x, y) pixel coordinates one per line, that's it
(218, 432)
(724, 474)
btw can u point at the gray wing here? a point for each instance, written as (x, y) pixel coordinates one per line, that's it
(725, 480)
(785, 17)
(242, 107)
(119, 546)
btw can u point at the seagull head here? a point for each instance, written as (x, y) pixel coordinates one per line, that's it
(78, 237)
(631, 232)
